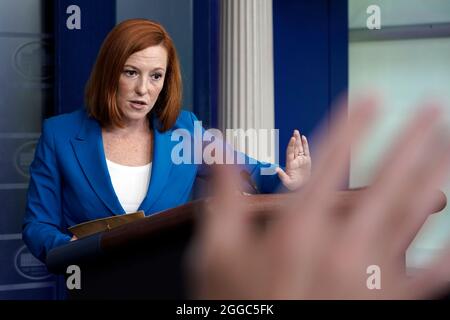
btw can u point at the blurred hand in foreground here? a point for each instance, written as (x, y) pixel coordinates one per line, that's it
(311, 252)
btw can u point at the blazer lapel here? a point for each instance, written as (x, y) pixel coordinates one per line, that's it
(88, 147)
(160, 167)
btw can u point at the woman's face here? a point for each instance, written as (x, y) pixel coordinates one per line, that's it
(140, 82)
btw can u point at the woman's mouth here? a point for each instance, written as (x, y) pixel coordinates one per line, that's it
(138, 104)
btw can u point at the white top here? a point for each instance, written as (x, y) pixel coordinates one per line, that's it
(130, 184)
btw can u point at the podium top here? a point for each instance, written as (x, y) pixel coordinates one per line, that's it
(172, 221)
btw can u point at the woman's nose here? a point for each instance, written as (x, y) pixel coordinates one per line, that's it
(141, 86)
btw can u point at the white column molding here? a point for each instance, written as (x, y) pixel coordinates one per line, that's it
(246, 95)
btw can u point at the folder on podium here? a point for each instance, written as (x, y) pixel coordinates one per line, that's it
(144, 259)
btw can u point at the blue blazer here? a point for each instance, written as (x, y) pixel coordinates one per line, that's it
(70, 182)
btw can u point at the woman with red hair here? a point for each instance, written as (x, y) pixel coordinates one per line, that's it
(114, 156)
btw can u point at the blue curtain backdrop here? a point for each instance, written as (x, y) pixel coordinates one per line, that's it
(310, 63)
(206, 60)
(76, 50)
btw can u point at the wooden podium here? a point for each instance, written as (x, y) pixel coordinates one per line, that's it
(144, 259)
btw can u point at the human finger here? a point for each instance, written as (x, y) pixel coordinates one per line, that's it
(290, 150)
(432, 282)
(225, 212)
(423, 201)
(305, 146)
(387, 199)
(298, 144)
(285, 179)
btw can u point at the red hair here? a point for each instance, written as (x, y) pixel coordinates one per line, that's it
(126, 38)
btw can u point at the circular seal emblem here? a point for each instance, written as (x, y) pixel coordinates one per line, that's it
(33, 60)
(24, 156)
(28, 266)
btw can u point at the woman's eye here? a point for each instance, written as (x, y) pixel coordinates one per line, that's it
(156, 76)
(130, 73)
